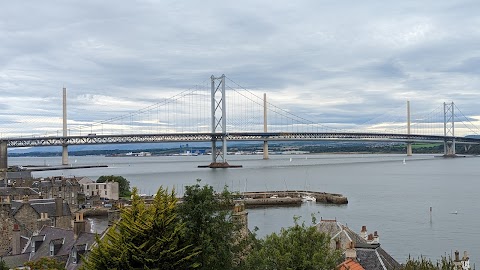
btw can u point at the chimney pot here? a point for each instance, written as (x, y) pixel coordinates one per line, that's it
(457, 257)
(17, 228)
(375, 234)
(364, 228)
(370, 237)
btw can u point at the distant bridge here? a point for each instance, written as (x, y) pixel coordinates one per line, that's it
(299, 128)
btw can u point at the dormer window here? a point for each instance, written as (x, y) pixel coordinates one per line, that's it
(74, 256)
(52, 249)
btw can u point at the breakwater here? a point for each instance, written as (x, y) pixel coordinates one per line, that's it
(286, 197)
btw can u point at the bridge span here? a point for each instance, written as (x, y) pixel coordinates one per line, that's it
(218, 134)
(214, 137)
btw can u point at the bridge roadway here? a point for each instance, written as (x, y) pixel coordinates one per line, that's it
(234, 136)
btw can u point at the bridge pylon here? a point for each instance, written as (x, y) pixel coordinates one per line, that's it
(64, 146)
(449, 129)
(409, 144)
(219, 123)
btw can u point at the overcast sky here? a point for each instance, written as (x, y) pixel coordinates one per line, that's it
(337, 61)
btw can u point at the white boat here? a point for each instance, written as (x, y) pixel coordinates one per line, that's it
(308, 198)
(404, 162)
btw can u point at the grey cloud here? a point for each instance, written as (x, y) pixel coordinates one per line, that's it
(376, 54)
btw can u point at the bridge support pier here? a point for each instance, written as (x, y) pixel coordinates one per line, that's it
(64, 155)
(409, 149)
(3, 156)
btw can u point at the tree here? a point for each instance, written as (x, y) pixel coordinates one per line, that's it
(145, 237)
(423, 263)
(3, 265)
(123, 184)
(45, 263)
(209, 225)
(298, 247)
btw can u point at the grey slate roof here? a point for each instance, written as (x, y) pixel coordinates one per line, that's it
(8, 191)
(14, 261)
(370, 256)
(62, 238)
(42, 206)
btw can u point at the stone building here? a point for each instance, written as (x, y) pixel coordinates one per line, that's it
(59, 186)
(107, 190)
(65, 245)
(18, 193)
(362, 248)
(6, 226)
(33, 214)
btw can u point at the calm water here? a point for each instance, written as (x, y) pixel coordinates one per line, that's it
(384, 194)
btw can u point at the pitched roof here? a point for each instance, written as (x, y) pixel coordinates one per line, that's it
(350, 264)
(14, 261)
(370, 256)
(6, 191)
(42, 206)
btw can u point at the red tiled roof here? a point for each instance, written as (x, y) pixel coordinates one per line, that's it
(350, 264)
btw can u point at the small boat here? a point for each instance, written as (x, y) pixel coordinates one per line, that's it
(404, 162)
(308, 198)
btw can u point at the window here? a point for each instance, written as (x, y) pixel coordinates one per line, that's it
(74, 256)
(52, 248)
(88, 186)
(96, 186)
(105, 192)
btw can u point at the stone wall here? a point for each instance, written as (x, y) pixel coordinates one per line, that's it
(6, 227)
(64, 222)
(27, 216)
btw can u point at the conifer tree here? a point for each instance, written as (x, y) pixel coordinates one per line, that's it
(145, 237)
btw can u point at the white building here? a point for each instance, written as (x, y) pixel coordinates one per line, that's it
(107, 190)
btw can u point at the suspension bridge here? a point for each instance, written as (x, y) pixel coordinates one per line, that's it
(218, 112)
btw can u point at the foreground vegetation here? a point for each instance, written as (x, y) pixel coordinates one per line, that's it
(202, 233)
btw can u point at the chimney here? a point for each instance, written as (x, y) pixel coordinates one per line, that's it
(16, 236)
(351, 252)
(58, 206)
(44, 221)
(363, 232)
(465, 256)
(457, 263)
(370, 239)
(338, 244)
(78, 225)
(376, 238)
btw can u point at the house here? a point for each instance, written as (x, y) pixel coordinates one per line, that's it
(107, 190)
(59, 186)
(64, 245)
(34, 214)
(18, 193)
(362, 248)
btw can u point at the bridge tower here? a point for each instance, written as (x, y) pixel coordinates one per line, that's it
(449, 129)
(219, 122)
(265, 143)
(64, 146)
(409, 144)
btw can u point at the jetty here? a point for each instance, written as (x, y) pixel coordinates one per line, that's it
(289, 197)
